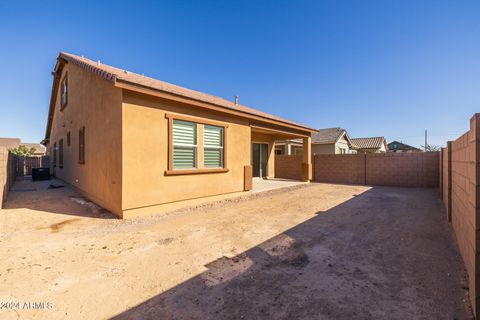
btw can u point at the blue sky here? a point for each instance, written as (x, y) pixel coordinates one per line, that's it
(377, 68)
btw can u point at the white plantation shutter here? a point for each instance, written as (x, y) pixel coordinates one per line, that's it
(184, 144)
(184, 133)
(183, 158)
(213, 146)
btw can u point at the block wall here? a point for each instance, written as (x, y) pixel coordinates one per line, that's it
(461, 196)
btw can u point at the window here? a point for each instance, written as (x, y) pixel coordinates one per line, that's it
(81, 145)
(60, 153)
(343, 151)
(55, 154)
(64, 92)
(212, 146)
(188, 154)
(184, 144)
(298, 151)
(68, 139)
(278, 151)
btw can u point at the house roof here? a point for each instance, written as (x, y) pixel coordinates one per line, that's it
(10, 142)
(401, 146)
(117, 75)
(37, 146)
(369, 143)
(328, 135)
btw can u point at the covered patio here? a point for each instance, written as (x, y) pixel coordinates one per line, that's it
(263, 140)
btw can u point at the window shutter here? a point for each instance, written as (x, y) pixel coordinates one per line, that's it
(212, 136)
(81, 145)
(184, 144)
(183, 158)
(184, 133)
(213, 146)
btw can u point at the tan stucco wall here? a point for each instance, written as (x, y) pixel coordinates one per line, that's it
(96, 104)
(323, 148)
(126, 148)
(145, 150)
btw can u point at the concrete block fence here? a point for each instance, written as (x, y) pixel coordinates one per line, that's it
(460, 192)
(419, 169)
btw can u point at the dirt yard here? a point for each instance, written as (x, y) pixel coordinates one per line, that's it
(315, 251)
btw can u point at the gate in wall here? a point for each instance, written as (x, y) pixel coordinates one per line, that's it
(26, 164)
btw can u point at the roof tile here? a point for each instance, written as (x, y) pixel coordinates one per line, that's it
(368, 143)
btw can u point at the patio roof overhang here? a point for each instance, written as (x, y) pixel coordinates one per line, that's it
(279, 133)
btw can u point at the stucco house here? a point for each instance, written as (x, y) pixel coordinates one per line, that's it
(137, 146)
(332, 141)
(289, 147)
(370, 145)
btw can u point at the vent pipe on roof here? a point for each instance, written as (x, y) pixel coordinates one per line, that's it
(236, 100)
(98, 62)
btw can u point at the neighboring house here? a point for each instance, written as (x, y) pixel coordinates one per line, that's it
(332, 141)
(289, 147)
(136, 145)
(370, 145)
(396, 146)
(11, 143)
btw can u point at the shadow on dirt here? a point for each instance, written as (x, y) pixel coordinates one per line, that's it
(384, 254)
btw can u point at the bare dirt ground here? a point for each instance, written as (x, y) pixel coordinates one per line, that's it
(316, 251)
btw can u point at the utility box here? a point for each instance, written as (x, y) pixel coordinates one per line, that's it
(40, 174)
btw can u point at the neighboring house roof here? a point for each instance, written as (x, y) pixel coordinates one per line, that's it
(10, 142)
(125, 77)
(329, 135)
(369, 143)
(39, 149)
(396, 145)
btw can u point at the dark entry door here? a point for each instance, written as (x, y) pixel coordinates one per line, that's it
(260, 159)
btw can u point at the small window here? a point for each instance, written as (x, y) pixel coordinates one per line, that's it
(184, 144)
(212, 146)
(64, 92)
(60, 153)
(54, 154)
(81, 145)
(68, 139)
(343, 151)
(278, 151)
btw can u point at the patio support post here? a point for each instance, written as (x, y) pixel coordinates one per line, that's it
(307, 159)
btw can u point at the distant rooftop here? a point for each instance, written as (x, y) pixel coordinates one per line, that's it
(328, 135)
(10, 143)
(369, 143)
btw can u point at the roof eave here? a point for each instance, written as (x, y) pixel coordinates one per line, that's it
(128, 85)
